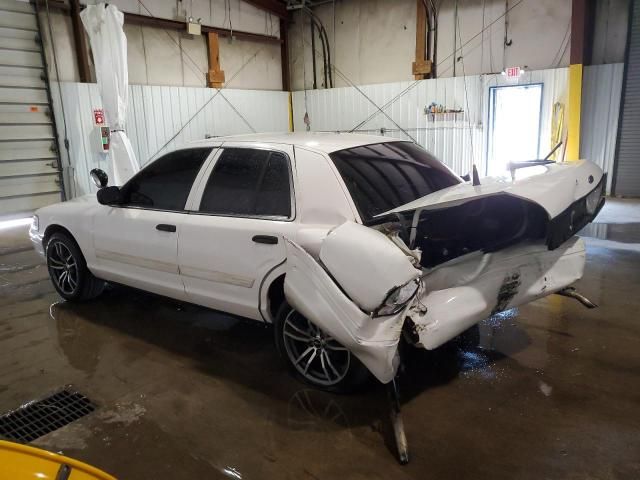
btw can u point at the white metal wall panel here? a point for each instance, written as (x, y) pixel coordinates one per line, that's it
(9, 206)
(30, 96)
(28, 159)
(10, 187)
(23, 21)
(627, 181)
(26, 44)
(19, 58)
(15, 6)
(601, 91)
(155, 115)
(14, 151)
(459, 140)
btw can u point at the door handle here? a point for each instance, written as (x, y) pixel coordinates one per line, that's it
(268, 239)
(163, 227)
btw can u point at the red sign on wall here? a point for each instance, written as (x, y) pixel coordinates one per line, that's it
(98, 116)
(513, 73)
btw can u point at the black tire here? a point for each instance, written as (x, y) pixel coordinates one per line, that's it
(347, 375)
(470, 338)
(68, 270)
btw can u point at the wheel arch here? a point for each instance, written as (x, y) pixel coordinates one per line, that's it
(57, 228)
(272, 293)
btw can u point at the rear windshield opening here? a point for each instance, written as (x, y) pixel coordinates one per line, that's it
(383, 176)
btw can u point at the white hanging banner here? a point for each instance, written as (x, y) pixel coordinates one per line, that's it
(109, 46)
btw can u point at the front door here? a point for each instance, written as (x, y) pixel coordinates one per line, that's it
(234, 236)
(136, 242)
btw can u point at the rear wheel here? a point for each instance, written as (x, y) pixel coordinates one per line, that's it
(68, 270)
(314, 356)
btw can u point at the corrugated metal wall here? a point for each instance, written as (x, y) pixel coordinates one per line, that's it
(458, 140)
(627, 181)
(155, 115)
(601, 90)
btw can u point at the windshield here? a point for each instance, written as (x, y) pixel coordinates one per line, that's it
(384, 176)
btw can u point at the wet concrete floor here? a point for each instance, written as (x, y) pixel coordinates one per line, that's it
(552, 391)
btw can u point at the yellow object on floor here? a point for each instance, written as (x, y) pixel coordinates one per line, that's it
(21, 462)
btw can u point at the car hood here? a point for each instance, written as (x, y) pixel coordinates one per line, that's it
(554, 190)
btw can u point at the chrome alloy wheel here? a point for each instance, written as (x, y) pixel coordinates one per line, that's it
(62, 266)
(318, 357)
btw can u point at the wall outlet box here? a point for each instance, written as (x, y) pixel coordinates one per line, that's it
(194, 28)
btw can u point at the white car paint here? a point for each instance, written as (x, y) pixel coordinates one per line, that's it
(337, 271)
(311, 291)
(555, 189)
(358, 256)
(513, 277)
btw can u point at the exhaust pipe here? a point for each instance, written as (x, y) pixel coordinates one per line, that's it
(571, 292)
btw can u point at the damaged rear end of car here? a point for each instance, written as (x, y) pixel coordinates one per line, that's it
(434, 256)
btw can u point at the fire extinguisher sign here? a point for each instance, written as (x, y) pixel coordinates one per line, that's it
(98, 116)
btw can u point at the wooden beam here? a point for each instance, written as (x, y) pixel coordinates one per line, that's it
(284, 55)
(272, 6)
(167, 24)
(82, 53)
(215, 75)
(135, 19)
(421, 67)
(582, 24)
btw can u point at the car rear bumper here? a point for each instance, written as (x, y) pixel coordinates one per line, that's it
(505, 279)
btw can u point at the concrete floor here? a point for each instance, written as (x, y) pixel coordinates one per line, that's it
(553, 390)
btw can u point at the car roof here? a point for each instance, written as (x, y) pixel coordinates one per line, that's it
(320, 141)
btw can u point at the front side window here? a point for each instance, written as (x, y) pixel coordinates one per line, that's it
(165, 184)
(383, 176)
(249, 182)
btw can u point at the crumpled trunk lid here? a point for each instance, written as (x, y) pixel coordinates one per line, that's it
(458, 220)
(556, 189)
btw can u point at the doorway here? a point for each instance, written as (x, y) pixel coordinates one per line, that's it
(514, 125)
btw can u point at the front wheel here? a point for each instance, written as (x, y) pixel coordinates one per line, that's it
(314, 356)
(68, 270)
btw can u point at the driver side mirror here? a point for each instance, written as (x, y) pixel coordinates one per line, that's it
(99, 177)
(109, 196)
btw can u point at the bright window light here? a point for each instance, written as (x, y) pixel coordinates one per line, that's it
(16, 222)
(514, 125)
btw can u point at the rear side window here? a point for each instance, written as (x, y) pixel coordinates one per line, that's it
(165, 184)
(249, 182)
(383, 176)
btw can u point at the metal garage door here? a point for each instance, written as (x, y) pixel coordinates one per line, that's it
(29, 163)
(627, 167)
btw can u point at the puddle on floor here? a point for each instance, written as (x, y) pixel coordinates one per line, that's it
(615, 232)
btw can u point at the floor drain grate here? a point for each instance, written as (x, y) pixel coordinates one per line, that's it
(40, 417)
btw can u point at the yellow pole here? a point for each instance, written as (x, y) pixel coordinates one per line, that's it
(573, 117)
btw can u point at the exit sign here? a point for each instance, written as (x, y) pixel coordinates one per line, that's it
(513, 73)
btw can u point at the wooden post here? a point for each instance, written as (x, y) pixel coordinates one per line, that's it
(215, 76)
(82, 55)
(284, 55)
(582, 24)
(422, 66)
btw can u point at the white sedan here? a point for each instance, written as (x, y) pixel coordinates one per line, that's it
(346, 243)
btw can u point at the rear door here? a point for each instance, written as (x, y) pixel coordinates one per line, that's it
(137, 243)
(234, 235)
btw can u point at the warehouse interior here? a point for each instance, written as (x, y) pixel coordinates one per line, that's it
(543, 389)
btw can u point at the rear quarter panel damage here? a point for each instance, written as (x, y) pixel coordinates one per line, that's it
(453, 298)
(510, 278)
(311, 291)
